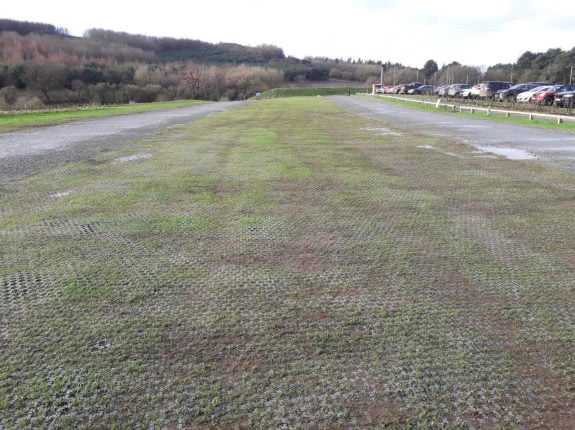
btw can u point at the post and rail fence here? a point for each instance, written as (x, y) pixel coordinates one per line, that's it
(487, 110)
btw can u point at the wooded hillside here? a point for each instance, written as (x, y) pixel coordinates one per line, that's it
(41, 65)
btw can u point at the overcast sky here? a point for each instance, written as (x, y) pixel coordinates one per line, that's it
(407, 31)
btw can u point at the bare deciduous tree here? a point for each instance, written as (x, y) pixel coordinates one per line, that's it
(193, 79)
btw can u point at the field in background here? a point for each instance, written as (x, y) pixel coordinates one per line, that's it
(328, 83)
(288, 264)
(12, 121)
(313, 91)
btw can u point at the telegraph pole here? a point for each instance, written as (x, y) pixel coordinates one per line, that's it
(571, 76)
(381, 78)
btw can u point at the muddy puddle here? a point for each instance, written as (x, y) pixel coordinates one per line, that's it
(510, 153)
(382, 131)
(135, 157)
(559, 149)
(60, 194)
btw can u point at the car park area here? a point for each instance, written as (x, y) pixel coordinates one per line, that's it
(529, 97)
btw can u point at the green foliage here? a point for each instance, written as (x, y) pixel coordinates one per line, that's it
(171, 49)
(294, 71)
(551, 66)
(429, 68)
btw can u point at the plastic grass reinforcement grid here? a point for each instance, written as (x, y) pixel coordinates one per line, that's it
(287, 265)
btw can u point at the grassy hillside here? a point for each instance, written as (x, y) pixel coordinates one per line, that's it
(41, 67)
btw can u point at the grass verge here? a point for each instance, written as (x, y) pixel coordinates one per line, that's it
(481, 115)
(17, 121)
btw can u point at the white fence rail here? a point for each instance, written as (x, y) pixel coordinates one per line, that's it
(488, 110)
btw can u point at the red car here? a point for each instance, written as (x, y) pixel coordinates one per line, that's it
(547, 97)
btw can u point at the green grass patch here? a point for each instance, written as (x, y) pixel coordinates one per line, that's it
(251, 221)
(175, 224)
(17, 121)
(74, 292)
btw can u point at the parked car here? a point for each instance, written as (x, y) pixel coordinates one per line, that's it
(406, 87)
(489, 89)
(442, 90)
(526, 96)
(471, 93)
(397, 89)
(384, 89)
(388, 89)
(511, 93)
(565, 99)
(423, 89)
(548, 96)
(456, 89)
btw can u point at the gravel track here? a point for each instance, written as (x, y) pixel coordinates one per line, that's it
(34, 150)
(550, 146)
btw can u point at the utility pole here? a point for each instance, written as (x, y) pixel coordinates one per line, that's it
(417, 76)
(381, 78)
(571, 76)
(394, 76)
(511, 73)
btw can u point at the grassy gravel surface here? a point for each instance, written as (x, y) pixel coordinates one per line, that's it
(288, 265)
(13, 121)
(522, 120)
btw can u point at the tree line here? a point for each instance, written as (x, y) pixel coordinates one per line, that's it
(553, 66)
(32, 85)
(172, 49)
(25, 27)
